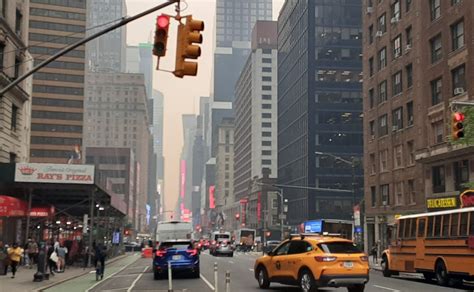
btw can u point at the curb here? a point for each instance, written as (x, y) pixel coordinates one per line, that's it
(40, 289)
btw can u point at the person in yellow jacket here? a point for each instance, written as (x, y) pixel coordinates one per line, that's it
(14, 253)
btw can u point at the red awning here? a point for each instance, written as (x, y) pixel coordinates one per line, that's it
(13, 207)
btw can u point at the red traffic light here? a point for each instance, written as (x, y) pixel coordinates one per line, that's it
(163, 21)
(161, 35)
(237, 216)
(458, 117)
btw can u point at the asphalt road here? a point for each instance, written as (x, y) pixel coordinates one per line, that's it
(134, 274)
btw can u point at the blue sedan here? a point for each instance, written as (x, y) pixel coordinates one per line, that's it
(180, 254)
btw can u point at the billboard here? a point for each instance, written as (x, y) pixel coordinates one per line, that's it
(314, 226)
(54, 173)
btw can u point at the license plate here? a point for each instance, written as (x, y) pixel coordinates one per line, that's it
(348, 265)
(176, 257)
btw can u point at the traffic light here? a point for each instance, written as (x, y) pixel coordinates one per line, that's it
(237, 216)
(457, 125)
(161, 35)
(189, 34)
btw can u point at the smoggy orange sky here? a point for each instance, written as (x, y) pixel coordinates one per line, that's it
(181, 95)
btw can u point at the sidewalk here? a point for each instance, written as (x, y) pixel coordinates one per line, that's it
(375, 265)
(23, 281)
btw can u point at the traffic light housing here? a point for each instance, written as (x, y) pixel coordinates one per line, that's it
(161, 35)
(457, 125)
(237, 216)
(189, 35)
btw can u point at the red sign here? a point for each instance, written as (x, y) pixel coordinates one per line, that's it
(10, 206)
(212, 201)
(467, 199)
(42, 211)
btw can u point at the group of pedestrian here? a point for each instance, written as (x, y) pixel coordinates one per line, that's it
(56, 254)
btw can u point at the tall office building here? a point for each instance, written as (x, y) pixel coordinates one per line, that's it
(256, 110)
(158, 119)
(106, 53)
(186, 166)
(140, 60)
(58, 88)
(418, 56)
(15, 104)
(320, 107)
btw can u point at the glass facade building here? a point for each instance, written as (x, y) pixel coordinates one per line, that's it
(320, 107)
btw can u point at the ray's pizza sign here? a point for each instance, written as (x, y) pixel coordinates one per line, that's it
(54, 173)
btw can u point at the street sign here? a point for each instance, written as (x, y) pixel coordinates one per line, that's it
(282, 217)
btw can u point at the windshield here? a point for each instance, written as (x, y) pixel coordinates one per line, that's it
(176, 245)
(339, 247)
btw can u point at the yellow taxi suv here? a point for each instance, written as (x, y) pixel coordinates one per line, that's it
(313, 261)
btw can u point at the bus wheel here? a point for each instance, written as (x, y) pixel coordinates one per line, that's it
(428, 276)
(441, 273)
(385, 268)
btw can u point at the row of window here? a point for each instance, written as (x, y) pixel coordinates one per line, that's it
(59, 77)
(397, 121)
(62, 65)
(58, 102)
(460, 173)
(52, 51)
(398, 161)
(55, 141)
(66, 3)
(56, 26)
(404, 192)
(39, 37)
(55, 128)
(56, 115)
(51, 153)
(396, 86)
(58, 90)
(57, 14)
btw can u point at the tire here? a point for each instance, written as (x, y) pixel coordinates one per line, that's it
(442, 277)
(156, 275)
(306, 281)
(385, 267)
(262, 278)
(428, 276)
(196, 274)
(356, 288)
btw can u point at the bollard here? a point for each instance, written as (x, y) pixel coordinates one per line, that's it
(227, 281)
(170, 278)
(216, 277)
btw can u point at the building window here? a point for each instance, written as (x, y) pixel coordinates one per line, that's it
(372, 163)
(459, 80)
(409, 73)
(408, 36)
(16, 73)
(411, 191)
(371, 67)
(454, 2)
(371, 34)
(371, 98)
(408, 5)
(398, 156)
(411, 152)
(438, 131)
(373, 197)
(266, 162)
(397, 87)
(383, 157)
(410, 116)
(382, 58)
(397, 119)
(13, 157)
(395, 9)
(382, 24)
(266, 78)
(436, 91)
(266, 134)
(383, 129)
(399, 193)
(435, 8)
(267, 60)
(14, 118)
(457, 35)
(266, 152)
(397, 46)
(372, 129)
(385, 196)
(266, 106)
(2, 51)
(461, 174)
(436, 49)
(18, 21)
(438, 178)
(266, 87)
(383, 91)
(266, 69)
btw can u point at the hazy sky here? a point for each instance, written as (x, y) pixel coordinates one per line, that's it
(181, 95)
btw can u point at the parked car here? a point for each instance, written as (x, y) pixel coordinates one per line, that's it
(182, 256)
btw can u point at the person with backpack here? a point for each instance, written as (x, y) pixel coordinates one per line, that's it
(100, 255)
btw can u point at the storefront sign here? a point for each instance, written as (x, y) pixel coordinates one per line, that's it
(467, 199)
(442, 203)
(12, 207)
(54, 173)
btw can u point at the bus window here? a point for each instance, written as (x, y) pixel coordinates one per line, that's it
(430, 226)
(437, 226)
(471, 232)
(406, 230)
(446, 225)
(421, 227)
(463, 225)
(401, 229)
(455, 224)
(413, 228)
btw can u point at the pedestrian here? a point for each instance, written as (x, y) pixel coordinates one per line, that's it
(374, 253)
(61, 251)
(100, 255)
(4, 260)
(15, 253)
(32, 251)
(51, 258)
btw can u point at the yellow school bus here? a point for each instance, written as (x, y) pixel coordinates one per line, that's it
(439, 245)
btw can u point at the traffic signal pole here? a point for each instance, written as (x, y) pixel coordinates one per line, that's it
(71, 47)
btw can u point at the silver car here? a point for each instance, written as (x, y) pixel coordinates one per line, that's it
(224, 248)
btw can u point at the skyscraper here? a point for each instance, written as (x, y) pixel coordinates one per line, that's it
(106, 53)
(58, 89)
(319, 107)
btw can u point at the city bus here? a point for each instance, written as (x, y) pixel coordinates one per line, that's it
(439, 245)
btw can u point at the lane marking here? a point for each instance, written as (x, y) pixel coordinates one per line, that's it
(207, 282)
(251, 270)
(231, 262)
(137, 279)
(111, 275)
(386, 288)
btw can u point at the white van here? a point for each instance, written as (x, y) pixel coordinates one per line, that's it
(172, 230)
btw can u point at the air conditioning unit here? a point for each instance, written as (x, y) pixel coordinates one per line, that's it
(408, 47)
(370, 10)
(384, 203)
(458, 91)
(379, 33)
(394, 20)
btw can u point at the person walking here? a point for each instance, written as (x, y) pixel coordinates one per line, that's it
(61, 264)
(50, 258)
(32, 251)
(100, 255)
(374, 253)
(15, 253)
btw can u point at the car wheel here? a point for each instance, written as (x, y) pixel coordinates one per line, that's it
(356, 288)
(262, 277)
(196, 273)
(428, 276)
(156, 275)
(306, 281)
(441, 274)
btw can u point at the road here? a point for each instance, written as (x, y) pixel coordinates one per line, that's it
(134, 274)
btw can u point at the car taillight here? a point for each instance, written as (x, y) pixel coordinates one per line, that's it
(325, 259)
(160, 253)
(364, 258)
(192, 252)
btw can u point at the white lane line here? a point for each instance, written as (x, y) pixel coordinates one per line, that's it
(207, 282)
(136, 280)
(110, 276)
(386, 288)
(231, 262)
